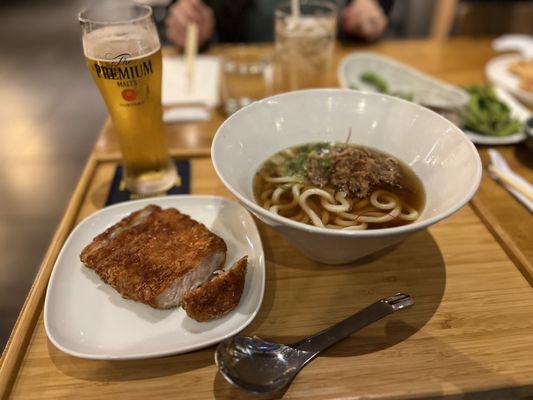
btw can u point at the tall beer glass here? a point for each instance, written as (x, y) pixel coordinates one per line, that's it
(123, 53)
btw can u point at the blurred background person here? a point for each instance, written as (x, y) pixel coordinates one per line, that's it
(253, 20)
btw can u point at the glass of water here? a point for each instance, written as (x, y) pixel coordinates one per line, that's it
(304, 43)
(246, 77)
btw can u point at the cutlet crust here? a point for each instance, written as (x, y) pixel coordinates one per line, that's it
(144, 253)
(218, 296)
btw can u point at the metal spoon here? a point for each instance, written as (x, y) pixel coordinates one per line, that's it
(262, 367)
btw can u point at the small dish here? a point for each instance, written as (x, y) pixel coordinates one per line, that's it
(518, 111)
(426, 90)
(86, 318)
(497, 71)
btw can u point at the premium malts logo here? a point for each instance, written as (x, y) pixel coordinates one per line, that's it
(121, 68)
(129, 94)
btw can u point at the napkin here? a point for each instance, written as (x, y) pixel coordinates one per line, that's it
(515, 42)
(500, 164)
(204, 87)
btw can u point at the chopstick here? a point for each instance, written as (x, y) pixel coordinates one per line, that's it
(295, 9)
(191, 50)
(512, 182)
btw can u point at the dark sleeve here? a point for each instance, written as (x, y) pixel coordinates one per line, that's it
(386, 5)
(160, 14)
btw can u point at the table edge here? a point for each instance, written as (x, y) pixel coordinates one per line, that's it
(24, 326)
(503, 238)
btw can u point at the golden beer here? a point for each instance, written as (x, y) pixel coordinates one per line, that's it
(125, 63)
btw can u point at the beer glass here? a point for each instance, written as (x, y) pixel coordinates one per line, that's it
(123, 54)
(304, 43)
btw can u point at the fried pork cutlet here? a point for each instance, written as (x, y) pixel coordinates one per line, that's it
(217, 296)
(155, 256)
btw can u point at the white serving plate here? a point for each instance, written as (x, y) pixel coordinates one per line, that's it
(86, 318)
(426, 90)
(498, 73)
(518, 111)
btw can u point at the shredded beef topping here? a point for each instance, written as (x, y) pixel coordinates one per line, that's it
(354, 170)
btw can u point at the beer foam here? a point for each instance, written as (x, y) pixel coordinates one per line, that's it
(107, 43)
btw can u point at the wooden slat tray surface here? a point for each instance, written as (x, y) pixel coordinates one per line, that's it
(468, 333)
(509, 221)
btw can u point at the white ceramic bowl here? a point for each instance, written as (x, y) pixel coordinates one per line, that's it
(440, 154)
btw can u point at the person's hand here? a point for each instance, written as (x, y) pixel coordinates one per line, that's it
(364, 18)
(185, 12)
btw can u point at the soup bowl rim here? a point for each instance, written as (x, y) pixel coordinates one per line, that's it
(280, 221)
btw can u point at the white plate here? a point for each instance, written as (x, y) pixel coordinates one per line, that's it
(497, 70)
(426, 90)
(86, 318)
(518, 111)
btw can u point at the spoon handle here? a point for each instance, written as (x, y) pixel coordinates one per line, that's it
(324, 339)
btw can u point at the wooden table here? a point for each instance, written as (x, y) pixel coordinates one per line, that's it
(469, 334)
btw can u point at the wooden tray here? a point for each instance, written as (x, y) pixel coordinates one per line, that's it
(508, 220)
(468, 333)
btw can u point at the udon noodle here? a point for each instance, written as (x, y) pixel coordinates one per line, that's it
(339, 186)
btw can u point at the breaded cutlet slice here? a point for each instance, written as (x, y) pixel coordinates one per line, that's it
(155, 256)
(217, 296)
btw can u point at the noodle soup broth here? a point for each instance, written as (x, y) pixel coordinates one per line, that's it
(339, 186)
